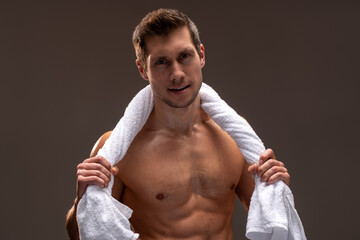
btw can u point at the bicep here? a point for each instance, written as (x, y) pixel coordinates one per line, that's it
(118, 188)
(99, 144)
(245, 187)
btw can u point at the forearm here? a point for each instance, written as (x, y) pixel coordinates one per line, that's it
(71, 223)
(245, 187)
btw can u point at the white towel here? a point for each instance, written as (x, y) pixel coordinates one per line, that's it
(271, 215)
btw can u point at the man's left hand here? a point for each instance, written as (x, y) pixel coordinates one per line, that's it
(270, 170)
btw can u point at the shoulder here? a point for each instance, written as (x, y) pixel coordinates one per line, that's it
(100, 143)
(218, 133)
(223, 141)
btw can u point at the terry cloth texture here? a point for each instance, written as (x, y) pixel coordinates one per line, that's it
(272, 214)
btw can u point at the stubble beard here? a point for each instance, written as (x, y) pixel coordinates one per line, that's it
(181, 105)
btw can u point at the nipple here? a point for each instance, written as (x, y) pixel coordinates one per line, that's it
(160, 196)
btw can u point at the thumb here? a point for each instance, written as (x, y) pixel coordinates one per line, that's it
(115, 170)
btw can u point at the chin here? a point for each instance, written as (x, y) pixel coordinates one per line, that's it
(181, 104)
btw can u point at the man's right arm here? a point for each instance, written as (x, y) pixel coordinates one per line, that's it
(95, 170)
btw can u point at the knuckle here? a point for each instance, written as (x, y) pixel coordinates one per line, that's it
(99, 164)
(283, 175)
(272, 162)
(97, 173)
(106, 164)
(263, 179)
(96, 166)
(272, 179)
(81, 179)
(96, 159)
(265, 176)
(84, 165)
(93, 178)
(103, 161)
(276, 169)
(107, 167)
(104, 170)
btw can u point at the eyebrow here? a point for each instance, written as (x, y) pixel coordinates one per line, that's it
(185, 50)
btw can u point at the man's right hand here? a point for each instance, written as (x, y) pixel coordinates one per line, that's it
(93, 171)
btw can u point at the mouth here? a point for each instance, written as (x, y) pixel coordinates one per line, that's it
(179, 89)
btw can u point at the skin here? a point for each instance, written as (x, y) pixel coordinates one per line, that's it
(183, 182)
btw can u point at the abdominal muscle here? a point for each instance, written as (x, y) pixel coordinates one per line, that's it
(196, 219)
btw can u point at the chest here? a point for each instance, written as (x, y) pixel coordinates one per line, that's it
(169, 171)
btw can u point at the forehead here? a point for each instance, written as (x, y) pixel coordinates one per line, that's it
(177, 40)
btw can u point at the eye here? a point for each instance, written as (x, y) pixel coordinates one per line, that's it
(185, 55)
(160, 62)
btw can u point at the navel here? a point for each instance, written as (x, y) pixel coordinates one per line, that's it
(160, 196)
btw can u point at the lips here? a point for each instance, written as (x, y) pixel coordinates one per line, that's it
(179, 89)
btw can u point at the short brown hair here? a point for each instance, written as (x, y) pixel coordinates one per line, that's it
(160, 23)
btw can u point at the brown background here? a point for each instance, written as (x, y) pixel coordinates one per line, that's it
(68, 72)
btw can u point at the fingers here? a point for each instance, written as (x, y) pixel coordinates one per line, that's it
(95, 167)
(91, 180)
(99, 159)
(272, 170)
(273, 174)
(268, 165)
(95, 171)
(267, 154)
(284, 176)
(114, 170)
(96, 163)
(253, 169)
(93, 177)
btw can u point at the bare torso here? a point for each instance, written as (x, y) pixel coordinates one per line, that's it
(181, 187)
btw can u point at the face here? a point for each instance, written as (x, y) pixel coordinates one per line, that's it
(173, 68)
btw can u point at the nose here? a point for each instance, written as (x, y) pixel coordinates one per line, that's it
(177, 73)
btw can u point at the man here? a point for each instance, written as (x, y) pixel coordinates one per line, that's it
(182, 171)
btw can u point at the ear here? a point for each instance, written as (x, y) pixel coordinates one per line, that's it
(142, 70)
(202, 55)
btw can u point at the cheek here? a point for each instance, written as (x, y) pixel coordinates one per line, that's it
(197, 71)
(159, 76)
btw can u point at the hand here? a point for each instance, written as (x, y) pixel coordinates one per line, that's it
(93, 171)
(270, 170)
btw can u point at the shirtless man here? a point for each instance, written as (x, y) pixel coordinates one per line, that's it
(182, 171)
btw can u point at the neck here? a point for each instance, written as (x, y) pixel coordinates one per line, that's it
(180, 121)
